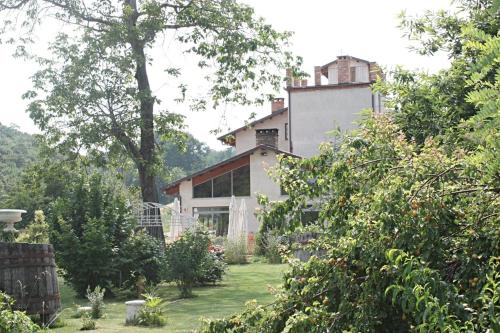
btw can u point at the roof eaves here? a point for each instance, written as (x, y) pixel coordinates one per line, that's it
(253, 123)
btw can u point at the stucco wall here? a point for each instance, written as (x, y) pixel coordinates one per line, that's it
(245, 139)
(259, 182)
(316, 112)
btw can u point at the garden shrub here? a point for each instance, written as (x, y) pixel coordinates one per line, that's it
(271, 246)
(92, 230)
(88, 323)
(96, 300)
(13, 321)
(235, 252)
(151, 314)
(141, 258)
(184, 259)
(213, 266)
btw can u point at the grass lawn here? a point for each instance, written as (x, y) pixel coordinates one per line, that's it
(241, 283)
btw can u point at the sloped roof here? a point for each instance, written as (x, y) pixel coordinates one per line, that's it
(229, 160)
(252, 124)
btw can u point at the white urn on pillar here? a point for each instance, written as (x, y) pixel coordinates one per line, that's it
(9, 217)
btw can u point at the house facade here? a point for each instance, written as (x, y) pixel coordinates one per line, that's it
(340, 92)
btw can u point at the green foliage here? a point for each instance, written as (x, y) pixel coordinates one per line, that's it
(151, 314)
(17, 151)
(213, 266)
(13, 321)
(272, 245)
(379, 192)
(92, 233)
(410, 206)
(37, 232)
(141, 256)
(93, 91)
(41, 183)
(235, 251)
(96, 299)
(184, 260)
(88, 323)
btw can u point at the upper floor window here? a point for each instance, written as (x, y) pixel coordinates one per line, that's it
(235, 182)
(286, 131)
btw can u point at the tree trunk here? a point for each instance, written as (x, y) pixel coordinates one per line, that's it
(148, 185)
(146, 161)
(147, 144)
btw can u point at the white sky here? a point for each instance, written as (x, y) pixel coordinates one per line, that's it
(323, 29)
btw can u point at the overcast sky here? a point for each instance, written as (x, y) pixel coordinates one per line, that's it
(323, 29)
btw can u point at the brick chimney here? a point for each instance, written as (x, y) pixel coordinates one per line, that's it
(277, 104)
(268, 137)
(343, 69)
(317, 75)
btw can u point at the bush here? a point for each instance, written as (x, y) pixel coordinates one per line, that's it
(92, 233)
(88, 323)
(184, 259)
(151, 314)
(142, 260)
(96, 299)
(12, 320)
(235, 252)
(271, 245)
(213, 266)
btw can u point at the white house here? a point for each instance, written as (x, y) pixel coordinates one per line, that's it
(296, 131)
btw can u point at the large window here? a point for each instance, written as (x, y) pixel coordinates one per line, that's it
(241, 181)
(222, 185)
(215, 219)
(235, 182)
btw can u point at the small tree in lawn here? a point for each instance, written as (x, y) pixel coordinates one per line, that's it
(184, 259)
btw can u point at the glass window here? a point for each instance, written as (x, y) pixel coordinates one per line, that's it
(215, 219)
(203, 190)
(241, 181)
(222, 185)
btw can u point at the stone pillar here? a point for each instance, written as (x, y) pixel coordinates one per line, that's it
(133, 308)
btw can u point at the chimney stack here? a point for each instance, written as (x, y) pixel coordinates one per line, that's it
(317, 75)
(288, 77)
(277, 104)
(343, 69)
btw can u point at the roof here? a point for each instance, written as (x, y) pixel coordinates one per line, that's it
(229, 160)
(253, 123)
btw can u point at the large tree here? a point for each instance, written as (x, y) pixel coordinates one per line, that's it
(93, 93)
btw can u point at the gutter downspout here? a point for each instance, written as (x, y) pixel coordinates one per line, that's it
(290, 143)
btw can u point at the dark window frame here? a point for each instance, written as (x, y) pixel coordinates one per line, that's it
(211, 180)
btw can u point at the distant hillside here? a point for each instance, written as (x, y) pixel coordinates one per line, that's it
(17, 150)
